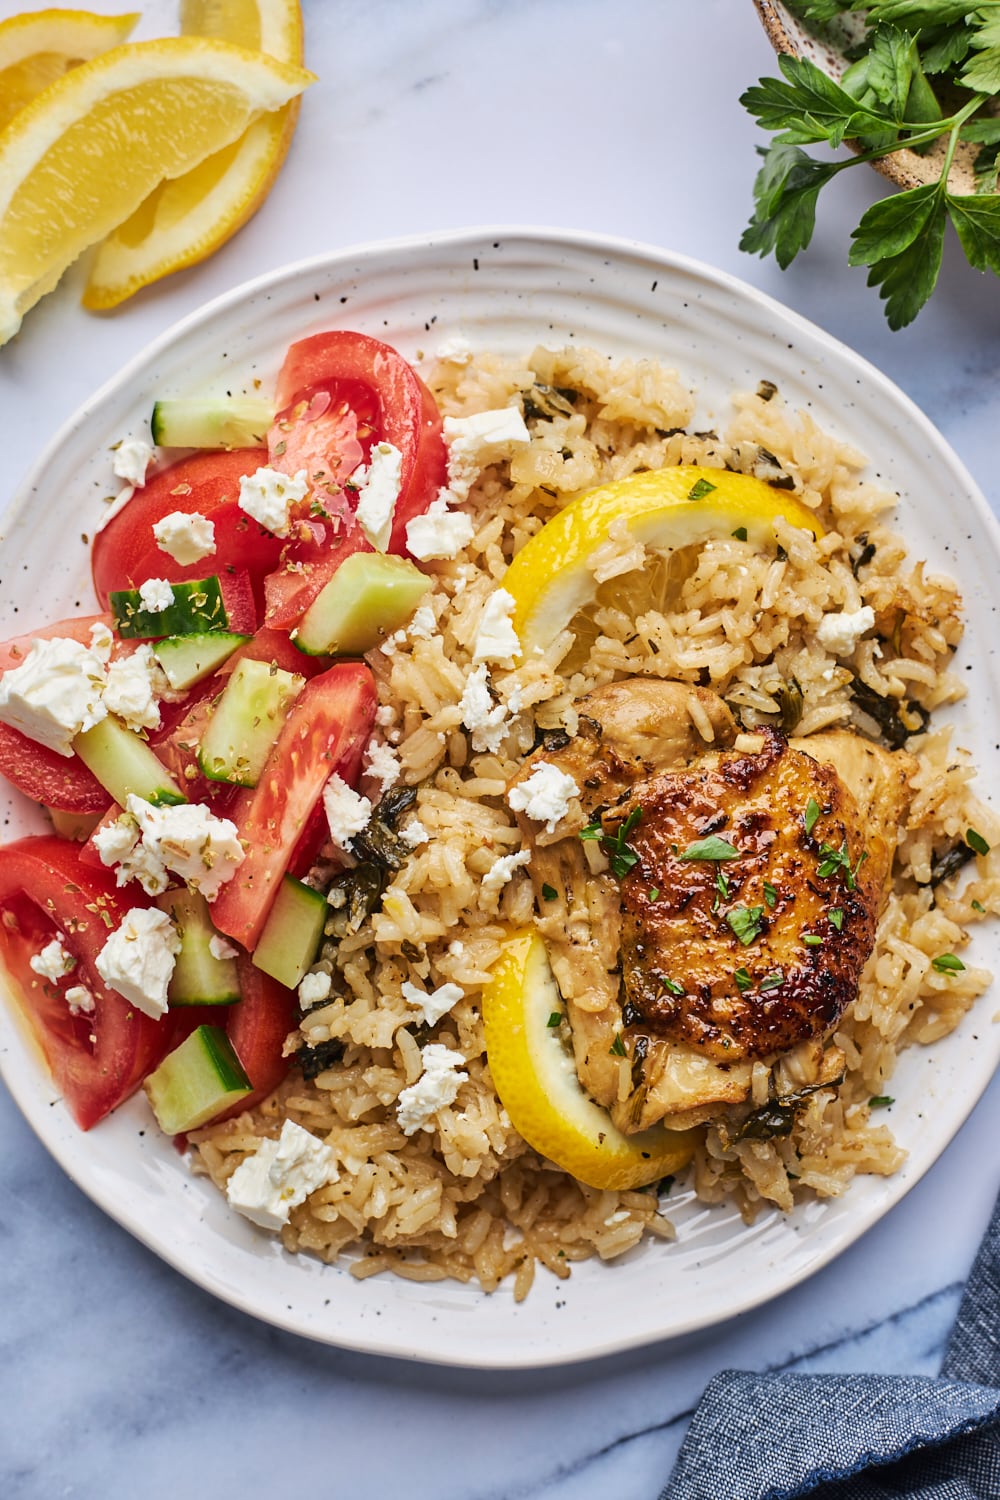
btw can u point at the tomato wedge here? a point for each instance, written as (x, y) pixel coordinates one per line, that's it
(338, 393)
(257, 1026)
(326, 731)
(96, 1060)
(60, 781)
(126, 552)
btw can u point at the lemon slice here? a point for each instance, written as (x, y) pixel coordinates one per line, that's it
(665, 508)
(535, 1077)
(38, 48)
(190, 217)
(84, 155)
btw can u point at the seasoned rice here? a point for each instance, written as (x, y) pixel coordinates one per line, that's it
(469, 1199)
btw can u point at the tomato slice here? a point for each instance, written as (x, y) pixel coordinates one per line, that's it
(338, 393)
(60, 781)
(126, 552)
(257, 1026)
(96, 1060)
(326, 731)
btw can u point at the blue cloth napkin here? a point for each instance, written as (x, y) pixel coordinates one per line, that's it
(859, 1437)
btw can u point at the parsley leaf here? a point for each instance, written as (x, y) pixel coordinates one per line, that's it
(976, 841)
(671, 986)
(808, 106)
(982, 71)
(622, 858)
(772, 981)
(901, 239)
(770, 894)
(947, 963)
(700, 489)
(549, 893)
(880, 1101)
(710, 848)
(785, 193)
(977, 224)
(836, 916)
(891, 225)
(617, 1048)
(740, 533)
(812, 813)
(746, 923)
(555, 1019)
(811, 939)
(743, 980)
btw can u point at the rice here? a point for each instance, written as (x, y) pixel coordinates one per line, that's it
(466, 1197)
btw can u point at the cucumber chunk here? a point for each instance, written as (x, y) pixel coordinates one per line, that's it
(199, 978)
(198, 607)
(246, 722)
(216, 422)
(370, 595)
(292, 933)
(124, 763)
(197, 1081)
(187, 659)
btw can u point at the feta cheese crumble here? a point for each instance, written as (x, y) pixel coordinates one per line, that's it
(146, 842)
(187, 538)
(347, 812)
(545, 795)
(501, 871)
(132, 458)
(134, 682)
(436, 1088)
(434, 1005)
(487, 722)
(80, 1001)
(382, 764)
(840, 633)
(314, 989)
(55, 693)
(138, 959)
(414, 834)
(268, 496)
(53, 962)
(378, 490)
(280, 1175)
(439, 532)
(221, 949)
(156, 595)
(496, 639)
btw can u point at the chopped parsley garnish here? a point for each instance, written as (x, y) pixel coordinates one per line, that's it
(812, 939)
(621, 856)
(721, 883)
(976, 841)
(671, 986)
(979, 907)
(839, 859)
(746, 922)
(710, 848)
(617, 1048)
(880, 1101)
(772, 981)
(700, 490)
(740, 533)
(654, 891)
(555, 1019)
(770, 894)
(812, 813)
(743, 980)
(947, 963)
(549, 893)
(836, 915)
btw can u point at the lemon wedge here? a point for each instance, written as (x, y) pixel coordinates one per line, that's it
(38, 48)
(188, 218)
(535, 1076)
(86, 152)
(549, 579)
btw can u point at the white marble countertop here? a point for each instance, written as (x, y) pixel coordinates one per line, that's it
(119, 1377)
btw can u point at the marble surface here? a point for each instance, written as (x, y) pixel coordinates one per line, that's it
(121, 1378)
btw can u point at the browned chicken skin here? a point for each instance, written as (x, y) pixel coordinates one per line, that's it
(700, 966)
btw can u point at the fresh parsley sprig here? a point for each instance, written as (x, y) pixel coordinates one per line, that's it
(885, 102)
(620, 855)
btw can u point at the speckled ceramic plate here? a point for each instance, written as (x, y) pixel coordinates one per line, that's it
(508, 290)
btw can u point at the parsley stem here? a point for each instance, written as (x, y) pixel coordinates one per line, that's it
(924, 137)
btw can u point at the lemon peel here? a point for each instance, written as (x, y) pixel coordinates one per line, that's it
(82, 156)
(37, 48)
(188, 218)
(535, 1078)
(549, 578)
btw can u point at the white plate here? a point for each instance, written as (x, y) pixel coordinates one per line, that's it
(508, 290)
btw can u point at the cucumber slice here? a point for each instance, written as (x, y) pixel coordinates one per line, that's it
(124, 763)
(370, 595)
(292, 933)
(217, 422)
(246, 722)
(198, 607)
(187, 659)
(73, 825)
(197, 1081)
(199, 978)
